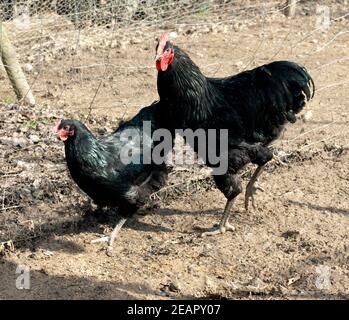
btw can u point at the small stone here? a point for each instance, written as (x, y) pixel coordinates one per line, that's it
(7, 141)
(20, 142)
(135, 41)
(123, 45)
(34, 138)
(209, 282)
(207, 251)
(36, 183)
(28, 68)
(26, 165)
(239, 64)
(173, 35)
(282, 154)
(174, 286)
(225, 29)
(294, 193)
(192, 268)
(205, 30)
(48, 253)
(291, 234)
(38, 194)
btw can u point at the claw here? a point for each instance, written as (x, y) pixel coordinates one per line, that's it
(229, 227)
(251, 190)
(109, 251)
(110, 239)
(102, 239)
(219, 230)
(259, 188)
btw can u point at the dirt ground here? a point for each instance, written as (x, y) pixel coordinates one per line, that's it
(294, 245)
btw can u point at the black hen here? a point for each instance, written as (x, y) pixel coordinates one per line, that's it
(99, 168)
(253, 105)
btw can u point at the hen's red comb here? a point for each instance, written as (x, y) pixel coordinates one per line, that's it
(57, 125)
(162, 43)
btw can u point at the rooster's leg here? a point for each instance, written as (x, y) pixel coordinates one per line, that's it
(224, 225)
(252, 187)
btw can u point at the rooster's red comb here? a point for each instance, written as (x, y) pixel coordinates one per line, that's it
(162, 42)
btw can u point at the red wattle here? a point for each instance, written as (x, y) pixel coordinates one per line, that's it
(62, 135)
(164, 64)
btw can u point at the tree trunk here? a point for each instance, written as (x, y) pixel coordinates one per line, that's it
(290, 11)
(13, 69)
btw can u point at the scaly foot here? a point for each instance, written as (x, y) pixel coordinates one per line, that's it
(102, 239)
(221, 229)
(109, 251)
(107, 239)
(251, 190)
(252, 187)
(110, 239)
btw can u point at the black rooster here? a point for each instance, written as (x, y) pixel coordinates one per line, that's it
(253, 105)
(96, 165)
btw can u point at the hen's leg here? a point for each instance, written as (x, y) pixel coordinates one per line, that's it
(230, 185)
(110, 239)
(252, 187)
(224, 225)
(114, 234)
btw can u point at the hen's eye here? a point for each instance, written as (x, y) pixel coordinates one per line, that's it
(66, 128)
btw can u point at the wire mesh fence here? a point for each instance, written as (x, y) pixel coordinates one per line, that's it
(60, 31)
(62, 42)
(96, 58)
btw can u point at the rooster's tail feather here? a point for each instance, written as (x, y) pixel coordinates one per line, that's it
(288, 86)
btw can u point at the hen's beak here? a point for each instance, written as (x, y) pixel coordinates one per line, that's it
(62, 135)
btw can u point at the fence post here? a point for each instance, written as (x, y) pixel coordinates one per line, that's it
(13, 69)
(291, 8)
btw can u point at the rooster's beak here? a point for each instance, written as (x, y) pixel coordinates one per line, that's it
(158, 57)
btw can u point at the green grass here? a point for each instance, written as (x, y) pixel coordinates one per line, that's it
(9, 100)
(31, 124)
(203, 11)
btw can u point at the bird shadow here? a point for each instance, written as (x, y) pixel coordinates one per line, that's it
(174, 212)
(320, 208)
(95, 221)
(44, 285)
